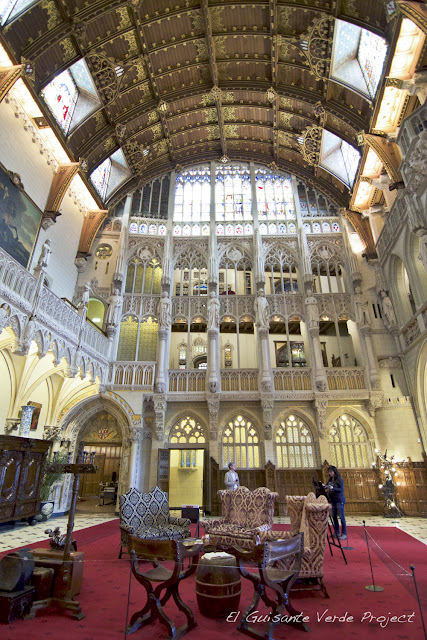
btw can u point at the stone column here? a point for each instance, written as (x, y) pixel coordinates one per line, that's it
(214, 379)
(131, 456)
(320, 378)
(161, 366)
(374, 376)
(266, 373)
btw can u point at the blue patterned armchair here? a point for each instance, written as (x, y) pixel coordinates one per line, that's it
(146, 515)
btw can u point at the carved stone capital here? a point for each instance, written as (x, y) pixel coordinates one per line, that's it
(49, 218)
(375, 402)
(52, 433)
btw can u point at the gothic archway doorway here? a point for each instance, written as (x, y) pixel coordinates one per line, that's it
(102, 435)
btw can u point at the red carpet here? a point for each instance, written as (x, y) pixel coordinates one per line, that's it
(106, 580)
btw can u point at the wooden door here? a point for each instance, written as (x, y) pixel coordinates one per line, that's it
(90, 481)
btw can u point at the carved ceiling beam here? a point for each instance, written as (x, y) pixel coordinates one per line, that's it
(90, 228)
(271, 93)
(60, 183)
(153, 82)
(364, 231)
(216, 92)
(8, 77)
(389, 154)
(415, 11)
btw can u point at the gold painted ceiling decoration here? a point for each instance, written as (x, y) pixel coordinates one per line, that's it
(188, 81)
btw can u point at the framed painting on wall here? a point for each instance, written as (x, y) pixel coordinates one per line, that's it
(19, 219)
(36, 415)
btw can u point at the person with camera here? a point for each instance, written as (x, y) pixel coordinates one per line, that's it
(335, 490)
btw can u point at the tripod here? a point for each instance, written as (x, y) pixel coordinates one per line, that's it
(332, 540)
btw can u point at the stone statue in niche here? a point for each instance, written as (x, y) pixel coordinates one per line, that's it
(262, 310)
(388, 311)
(44, 255)
(114, 305)
(164, 311)
(312, 310)
(213, 311)
(86, 295)
(362, 311)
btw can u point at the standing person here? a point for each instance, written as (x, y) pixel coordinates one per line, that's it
(335, 488)
(231, 477)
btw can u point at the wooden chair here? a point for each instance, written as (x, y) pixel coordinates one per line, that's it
(276, 579)
(168, 579)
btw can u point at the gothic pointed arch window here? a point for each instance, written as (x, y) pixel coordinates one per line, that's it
(294, 442)
(349, 443)
(240, 444)
(187, 431)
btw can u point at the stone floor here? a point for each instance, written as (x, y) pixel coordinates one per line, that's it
(89, 514)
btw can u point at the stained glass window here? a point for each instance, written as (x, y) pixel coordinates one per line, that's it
(274, 196)
(177, 230)
(240, 444)
(193, 195)
(61, 97)
(187, 431)
(294, 444)
(349, 443)
(233, 193)
(71, 96)
(11, 8)
(100, 177)
(133, 228)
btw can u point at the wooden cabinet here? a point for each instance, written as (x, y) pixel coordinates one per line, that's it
(21, 465)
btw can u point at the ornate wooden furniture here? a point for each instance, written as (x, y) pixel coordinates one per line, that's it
(311, 516)
(68, 565)
(146, 515)
(245, 515)
(271, 579)
(168, 579)
(21, 464)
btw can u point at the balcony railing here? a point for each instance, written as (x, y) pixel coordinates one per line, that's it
(341, 379)
(18, 287)
(132, 375)
(239, 380)
(182, 380)
(292, 379)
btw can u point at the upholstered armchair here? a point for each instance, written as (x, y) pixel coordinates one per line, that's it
(245, 515)
(146, 515)
(309, 515)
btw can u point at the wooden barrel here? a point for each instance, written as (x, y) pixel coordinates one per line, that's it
(218, 585)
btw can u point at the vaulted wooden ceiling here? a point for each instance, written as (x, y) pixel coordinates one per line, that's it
(194, 79)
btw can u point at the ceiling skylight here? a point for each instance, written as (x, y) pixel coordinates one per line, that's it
(358, 58)
(339, 158)
(71, 96)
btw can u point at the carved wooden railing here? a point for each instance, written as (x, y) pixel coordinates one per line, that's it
(186, 380)
(239, 380)
(292, 379)
(346, 379)
(132, 375)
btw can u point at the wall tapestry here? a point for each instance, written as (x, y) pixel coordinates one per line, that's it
(19, 220)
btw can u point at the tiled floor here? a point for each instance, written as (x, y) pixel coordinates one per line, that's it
(22, 533)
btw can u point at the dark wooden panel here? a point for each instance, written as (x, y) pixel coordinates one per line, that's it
(21, 464)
